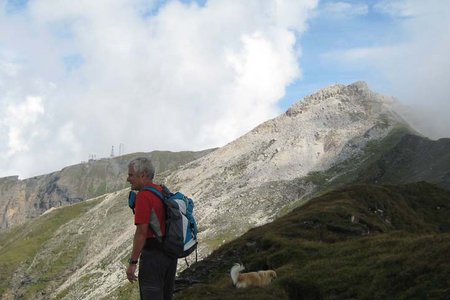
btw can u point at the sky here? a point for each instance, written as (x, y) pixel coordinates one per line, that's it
(86, 79)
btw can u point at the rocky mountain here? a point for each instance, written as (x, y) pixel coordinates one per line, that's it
(21, 200)
(336, 137)
(255, 176)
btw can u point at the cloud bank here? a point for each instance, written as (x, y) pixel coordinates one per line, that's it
(410, 57)
(77, 77)
(419, 67)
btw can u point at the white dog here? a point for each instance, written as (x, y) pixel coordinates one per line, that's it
(257, 279)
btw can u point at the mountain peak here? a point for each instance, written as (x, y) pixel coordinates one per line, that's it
(359, 86)
(357, 93)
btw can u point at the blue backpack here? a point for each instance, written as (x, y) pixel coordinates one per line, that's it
(180, 239)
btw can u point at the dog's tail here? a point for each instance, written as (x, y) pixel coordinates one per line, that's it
(234, 272)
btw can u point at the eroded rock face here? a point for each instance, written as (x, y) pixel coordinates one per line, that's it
(21, 200)
(13, 201)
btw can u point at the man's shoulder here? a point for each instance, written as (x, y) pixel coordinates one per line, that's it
(148, 193)
(154, 186)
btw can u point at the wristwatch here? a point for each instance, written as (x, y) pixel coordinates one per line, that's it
(132, 262)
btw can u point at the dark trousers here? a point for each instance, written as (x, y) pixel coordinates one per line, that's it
(156, 274)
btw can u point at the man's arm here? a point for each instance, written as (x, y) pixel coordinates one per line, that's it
(138, 243)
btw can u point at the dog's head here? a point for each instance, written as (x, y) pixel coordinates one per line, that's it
(268, 275)
(272, 274)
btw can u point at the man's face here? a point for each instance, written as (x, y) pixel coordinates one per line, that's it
(134, 179)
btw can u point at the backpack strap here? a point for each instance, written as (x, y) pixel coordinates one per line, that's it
(160, 196)
(154, 191)
(185, 258)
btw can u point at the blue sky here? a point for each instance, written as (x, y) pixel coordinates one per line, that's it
(79, 77)
(364, 27)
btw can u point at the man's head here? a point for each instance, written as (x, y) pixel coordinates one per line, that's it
(140, 173)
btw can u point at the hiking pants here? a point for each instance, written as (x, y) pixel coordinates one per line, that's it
(156, 275)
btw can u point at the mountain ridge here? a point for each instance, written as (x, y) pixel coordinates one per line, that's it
(25, 199)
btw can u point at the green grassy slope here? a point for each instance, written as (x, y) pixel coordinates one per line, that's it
(400, 158)
(21, 244)
(397, 247)
(412, 159)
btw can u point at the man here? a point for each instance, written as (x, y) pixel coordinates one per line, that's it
(156, 269)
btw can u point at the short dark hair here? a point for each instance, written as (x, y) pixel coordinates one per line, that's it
(143, 166)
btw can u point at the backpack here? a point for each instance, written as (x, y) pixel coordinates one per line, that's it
(180, 239)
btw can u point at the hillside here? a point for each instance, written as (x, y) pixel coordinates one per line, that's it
(80, 251)
(413, 158)
(320, 148)
(396, 247)
(398, 158)
(21, 200)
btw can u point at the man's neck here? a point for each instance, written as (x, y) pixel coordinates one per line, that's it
(148, 182)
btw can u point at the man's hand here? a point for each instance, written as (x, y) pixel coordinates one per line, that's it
(138, 243)
(131, 272)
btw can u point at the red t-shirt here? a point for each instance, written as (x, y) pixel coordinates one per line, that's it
(150, 210)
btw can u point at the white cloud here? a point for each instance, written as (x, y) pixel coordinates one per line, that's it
(420, 69)
(397, 8)
(357, 58)
(187, 77)
(20, 120)
(416, 65)
(341, 9)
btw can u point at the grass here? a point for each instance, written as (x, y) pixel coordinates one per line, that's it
(22, 243)
(318, 253)
(125, 292)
